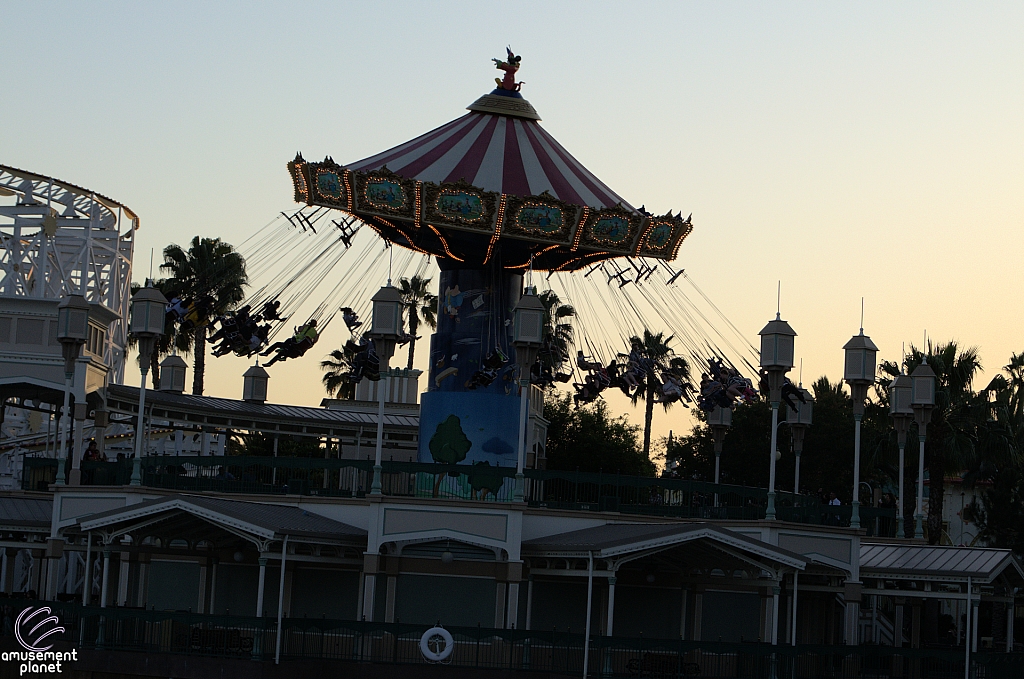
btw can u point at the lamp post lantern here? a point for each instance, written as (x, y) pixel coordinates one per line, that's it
(528, 337)
(719, 419)
(798, 421)
(859, 373)
(148, 311)
(776, 360)
(922, 401)
(900, 393)
(72, 333)
(385, 329)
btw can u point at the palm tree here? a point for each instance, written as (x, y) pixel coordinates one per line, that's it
(662, 359)
(558, 333)
(417, 298)
(167, 342)
(337, 374)
(209, 267)
(957, 423)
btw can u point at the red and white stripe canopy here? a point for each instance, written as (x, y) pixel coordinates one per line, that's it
(496, 153)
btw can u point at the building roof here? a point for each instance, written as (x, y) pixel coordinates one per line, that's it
(499, 153)
(931, 562)
(246, 415)
(25, 512)
(262, 520)
(615, 539)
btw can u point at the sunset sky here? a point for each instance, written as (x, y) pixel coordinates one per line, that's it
(868, 149)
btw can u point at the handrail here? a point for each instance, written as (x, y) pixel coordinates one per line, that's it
(552, 489)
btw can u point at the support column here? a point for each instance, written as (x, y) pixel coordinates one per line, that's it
(610, 624)
(698, 612)
(1009, 625)
(81, 410)
(512, 619)
(975, 605)
(210, 606)
(143, 580)
(389, 600)
(775, 614)
(105, 586)
(794, 601)
(852, 595)
(529, 601)
(100, 420)
(499, 606)
(204, 585)
(54, 552)
(897, 635)
(370, 564)
(122, 579)
(915, 623)
(10, 559)
(684, 596)
(262, 586)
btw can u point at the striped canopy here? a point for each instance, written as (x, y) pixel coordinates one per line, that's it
(509, 155)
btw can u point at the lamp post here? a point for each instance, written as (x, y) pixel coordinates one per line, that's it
(776, 360)
(798, 421)
(859, 374)
(528, 336)
(72, 333)
(922, 400)
(720, 419)
(384, 331)
(900, 393)
(147, 324)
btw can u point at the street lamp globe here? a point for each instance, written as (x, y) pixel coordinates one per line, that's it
(859, 373)
(902, 413)
(72, 333)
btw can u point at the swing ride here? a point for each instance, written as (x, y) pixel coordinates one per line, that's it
(491, 199)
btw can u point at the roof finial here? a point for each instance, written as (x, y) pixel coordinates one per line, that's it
(510, 67)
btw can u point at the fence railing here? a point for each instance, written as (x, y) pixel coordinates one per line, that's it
(123, 629)
(649, 496)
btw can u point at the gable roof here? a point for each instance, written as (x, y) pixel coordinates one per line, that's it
(617, 539)
(267, 521)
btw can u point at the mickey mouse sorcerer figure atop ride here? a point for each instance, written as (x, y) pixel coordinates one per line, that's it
(510, 67)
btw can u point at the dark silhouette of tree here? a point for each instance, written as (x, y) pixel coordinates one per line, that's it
(589, 439)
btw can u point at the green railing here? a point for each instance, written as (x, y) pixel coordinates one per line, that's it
(243, 638)
(333, 477)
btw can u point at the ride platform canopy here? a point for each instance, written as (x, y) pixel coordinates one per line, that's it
(490, 188)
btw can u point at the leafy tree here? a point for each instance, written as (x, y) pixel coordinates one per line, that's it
(337, 378)
(417, 299)
(558, 334)
(209, 267)
(449, 444)
(662, 358)
(953, 432)
(591, 440)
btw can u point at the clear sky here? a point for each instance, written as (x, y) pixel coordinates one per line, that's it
(869, 149)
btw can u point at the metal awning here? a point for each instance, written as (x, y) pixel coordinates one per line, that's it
(265, 417)
(948, 564)
(25, 514)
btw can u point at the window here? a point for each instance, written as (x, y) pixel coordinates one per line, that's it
(97, 338)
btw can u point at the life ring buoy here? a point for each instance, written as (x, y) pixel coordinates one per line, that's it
(429, 644)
